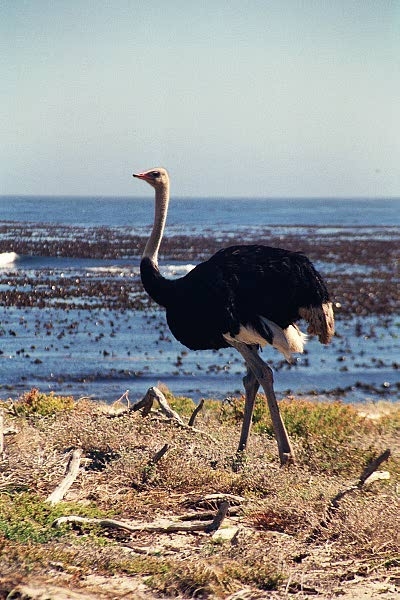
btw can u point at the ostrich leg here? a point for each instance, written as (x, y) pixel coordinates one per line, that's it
(251, 386)
(263, 374)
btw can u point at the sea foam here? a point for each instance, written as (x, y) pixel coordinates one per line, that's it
(7, 258)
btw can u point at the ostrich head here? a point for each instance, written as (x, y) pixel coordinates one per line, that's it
(157, 177)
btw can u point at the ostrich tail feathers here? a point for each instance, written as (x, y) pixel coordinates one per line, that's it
(321, 321)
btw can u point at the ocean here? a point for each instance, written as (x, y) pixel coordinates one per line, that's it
(75, 319)
(202, 213)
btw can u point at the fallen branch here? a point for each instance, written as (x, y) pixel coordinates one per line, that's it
(365, 477)
(71, 473)
(160, 527)
(196, 412)
(157, 394)
(213, 501)
(219, 517)
(125, 396)
(150, 468)
(146, 403)
(372, 467)
(207, 515)
(154, 393)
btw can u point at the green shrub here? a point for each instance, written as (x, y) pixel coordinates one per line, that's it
(35, 402)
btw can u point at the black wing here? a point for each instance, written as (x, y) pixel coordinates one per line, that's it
(238, 285)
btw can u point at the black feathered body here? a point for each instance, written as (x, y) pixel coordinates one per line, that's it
(236, 287)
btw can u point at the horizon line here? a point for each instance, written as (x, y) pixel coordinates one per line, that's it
(206, 197)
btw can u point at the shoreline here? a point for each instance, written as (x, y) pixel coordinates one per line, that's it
(56, 315)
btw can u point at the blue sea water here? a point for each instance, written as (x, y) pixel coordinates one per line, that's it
(207, 213)
(99, 354)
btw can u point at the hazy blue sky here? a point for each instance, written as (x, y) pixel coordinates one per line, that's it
(265, 98)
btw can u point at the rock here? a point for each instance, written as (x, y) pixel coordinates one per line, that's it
(225, 534)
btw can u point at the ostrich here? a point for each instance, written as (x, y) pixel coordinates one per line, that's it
(244, 296)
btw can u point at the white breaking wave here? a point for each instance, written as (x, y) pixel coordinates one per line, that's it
(113, 269)
(7, 258)
(170, 271)
(175, 270)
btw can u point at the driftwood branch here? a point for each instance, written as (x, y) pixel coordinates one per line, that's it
(219, 517)
(212, 501)
(69, 478)
(366, 475)
(196, 412)
(150, 469)
(146, 404)
(157, 394)
(158, 455)
(372, 467)
(207, 515)
(155, 527)
(125, 396)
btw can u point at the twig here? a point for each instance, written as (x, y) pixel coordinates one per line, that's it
(146, 404)
(158, 455)
(70, 476)
(196, 412)
(124, 397)
(368, 471)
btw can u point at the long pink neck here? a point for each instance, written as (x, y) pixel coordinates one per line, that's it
(160, 215)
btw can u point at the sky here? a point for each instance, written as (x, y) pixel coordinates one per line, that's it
(258, 98)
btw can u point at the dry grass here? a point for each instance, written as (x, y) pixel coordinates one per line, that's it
(283, 546)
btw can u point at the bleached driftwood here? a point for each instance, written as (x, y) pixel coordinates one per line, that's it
(146, 404)
(157, 394)
(71, 473)
(207, 515)
(155, 527)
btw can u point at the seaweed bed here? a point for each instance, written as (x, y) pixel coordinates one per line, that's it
(361, 269)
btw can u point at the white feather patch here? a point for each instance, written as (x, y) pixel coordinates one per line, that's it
(286, 340)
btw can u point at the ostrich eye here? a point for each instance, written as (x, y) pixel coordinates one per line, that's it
(155, 173)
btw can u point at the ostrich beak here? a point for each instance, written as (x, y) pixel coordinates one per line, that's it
(139, 175)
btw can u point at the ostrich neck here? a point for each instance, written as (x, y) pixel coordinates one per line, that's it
(160, 216)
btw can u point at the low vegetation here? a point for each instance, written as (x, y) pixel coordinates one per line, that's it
(289, 538)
